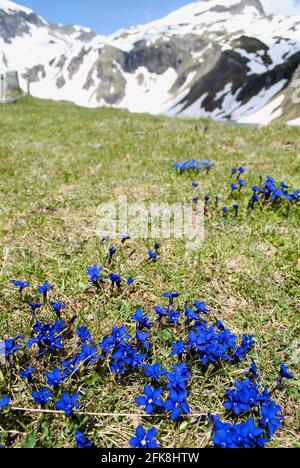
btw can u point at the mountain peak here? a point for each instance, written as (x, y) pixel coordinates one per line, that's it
(11, 7)
(234, 6)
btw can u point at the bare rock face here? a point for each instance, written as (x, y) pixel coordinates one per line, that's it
(224, 59)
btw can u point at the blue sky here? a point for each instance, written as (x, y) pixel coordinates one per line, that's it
(106, 16)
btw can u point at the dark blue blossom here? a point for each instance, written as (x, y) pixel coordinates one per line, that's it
(144, 439)
(244, 398)
(244, 435)
(141, 319)
(94, 273)
(141, 339)
(178, 378)
(11, 345)
(21, 285)
(68, 403)
(44, 289)
(191, 315)
(26, 373)
(161, 311)
(178, 348)
(81, 440)
(173, 317)
(241, 183)
(83, 334)
(271, 417)
(34, 306)
(150, 399)
(171, 296)
(201, 307)
(176, 404)
(246, 345)
(115, 279)
(152, 255)
(42, 397)
(57, 307)
(48, 336)
(154, 372)
(4, 402)
(54, 378)
(111, 252)
(130, 281)
(284, 373)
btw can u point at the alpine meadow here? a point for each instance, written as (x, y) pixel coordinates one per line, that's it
(150, 267)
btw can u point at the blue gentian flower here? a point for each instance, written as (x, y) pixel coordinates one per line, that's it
(34, 306)
(234, 187)
(26, 373)
(57, 307)
(171, 296)
(247, 343)
(141, 339)
(111, 252)
(173, 317)
(244, 398)
(83, 334)
(4, 402)
(253, 371)
(68, 403)
(195, 184)
(48, 336)
(154, 372)
(225, 210)
(152, 255)
(141, 319)
(243, 435)
(150, 399)
(191, 315)
(130, 281)
(54, 378)
(156, 246)
(178, 348)
(176, 404)
(177, 380)
(201, 307)
(44, 289)
(206, 199)
(11, 345)
(81, 440)
(144, 439)
(42, 397)
(21, 285)
(161, 311)
(241, 183)
(234, 170)
(271, 417)
(115, 279)
(242, 170)
(284, 373)
(94, 273)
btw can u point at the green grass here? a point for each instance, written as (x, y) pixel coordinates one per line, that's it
(52, 182)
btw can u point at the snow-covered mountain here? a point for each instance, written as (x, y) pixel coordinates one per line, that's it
(221, 58)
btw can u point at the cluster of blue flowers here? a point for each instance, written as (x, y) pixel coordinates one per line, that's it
(268, 193)
(129, 351)
(193, 165)
(249, 400)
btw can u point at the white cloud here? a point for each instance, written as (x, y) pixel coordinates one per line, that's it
(282, 7)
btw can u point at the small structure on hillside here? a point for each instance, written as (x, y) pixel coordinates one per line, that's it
(10, 89)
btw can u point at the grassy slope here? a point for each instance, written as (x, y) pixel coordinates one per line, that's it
(50, 186)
